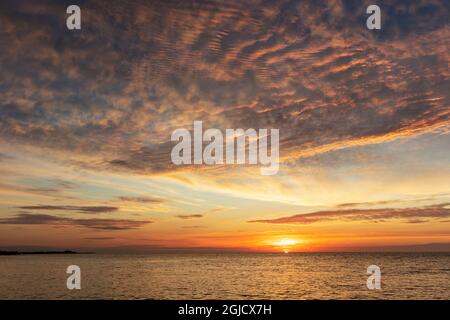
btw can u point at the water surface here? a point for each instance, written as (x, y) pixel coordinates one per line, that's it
(227, 276)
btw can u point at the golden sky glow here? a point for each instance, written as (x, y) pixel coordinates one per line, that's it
(86, 119)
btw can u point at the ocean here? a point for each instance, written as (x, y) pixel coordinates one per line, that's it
(227, 276)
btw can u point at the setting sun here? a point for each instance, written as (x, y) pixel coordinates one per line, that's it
(286, 242)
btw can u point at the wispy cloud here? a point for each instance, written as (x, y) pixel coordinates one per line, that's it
(190, 216)
(5, 157)
(193, 227)
(411, 215)
(143, 200)
(100, 238)
(35, 190)
(81, 209)
(99, 224)
(389, 202)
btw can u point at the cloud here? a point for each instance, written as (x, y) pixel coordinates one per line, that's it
(217, 209)
(44, 191)
(411, 215)
(81, 209)
(98, 224)
(109, 97)
(143, 199)
(193, 227)
(190, 216)
(4, 157)
(388, 202)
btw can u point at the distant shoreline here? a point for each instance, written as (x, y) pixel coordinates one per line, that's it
(19, 253)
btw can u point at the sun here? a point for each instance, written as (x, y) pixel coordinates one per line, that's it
(286, 245)
(286, 242)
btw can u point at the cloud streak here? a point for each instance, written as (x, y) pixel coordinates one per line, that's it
(411, 215)
(98, 224)
(149, 200)
(81, 209)
(189, 216)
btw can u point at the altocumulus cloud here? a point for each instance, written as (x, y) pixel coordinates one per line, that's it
(137, 71)
(81, 209)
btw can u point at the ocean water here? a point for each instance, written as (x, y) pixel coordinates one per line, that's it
(227, 276)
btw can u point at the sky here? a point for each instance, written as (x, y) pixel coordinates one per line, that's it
(86, 118)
